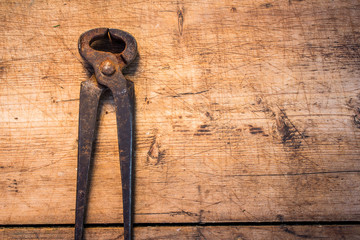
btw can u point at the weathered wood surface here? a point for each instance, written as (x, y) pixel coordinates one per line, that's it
(206, 233)
(245, 111)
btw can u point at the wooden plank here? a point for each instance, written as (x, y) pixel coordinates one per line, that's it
(245, 111)
(209, 232)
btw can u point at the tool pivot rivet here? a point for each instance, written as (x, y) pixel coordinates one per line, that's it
(107, 68)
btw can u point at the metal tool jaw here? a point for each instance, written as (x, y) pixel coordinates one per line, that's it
(108, 68)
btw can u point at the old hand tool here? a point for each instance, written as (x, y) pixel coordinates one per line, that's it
(107, 65)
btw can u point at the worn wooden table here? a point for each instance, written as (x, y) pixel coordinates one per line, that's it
(247, 119)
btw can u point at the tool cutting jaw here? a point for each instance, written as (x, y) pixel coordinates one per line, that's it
(108, 68)
(96, 57)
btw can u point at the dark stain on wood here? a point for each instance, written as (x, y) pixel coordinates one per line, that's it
(290, 135)
(267, 5)
(255, 130)
(147, 100)
(357, 118)
(207, 114)
(203, 130)
(2, 69)
(291, 1)
(345, 48)
(180, 15)
(280, 218)
(354, 105)
(13, 185)
(240, 237)
(155, 154)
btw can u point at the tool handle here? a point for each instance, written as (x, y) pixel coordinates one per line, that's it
(124, 101)
(89, 100)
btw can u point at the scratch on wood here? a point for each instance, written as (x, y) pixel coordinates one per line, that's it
(173, 213)
(189, 93)
(68, 100)
(200, 235)
(296, 174)
(292, 232)
(182, 212)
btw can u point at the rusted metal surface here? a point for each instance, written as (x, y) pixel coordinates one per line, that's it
(107, 67)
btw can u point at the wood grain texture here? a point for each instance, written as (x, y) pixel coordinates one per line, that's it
(198, 233)
(246, 111)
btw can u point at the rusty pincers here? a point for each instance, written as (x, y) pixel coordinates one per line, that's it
(107, 67)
